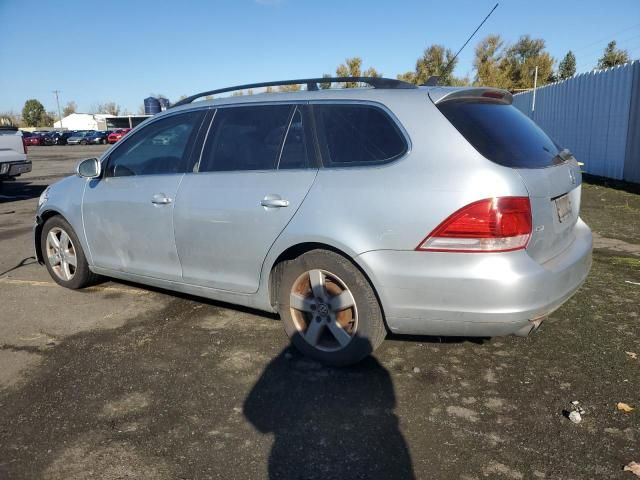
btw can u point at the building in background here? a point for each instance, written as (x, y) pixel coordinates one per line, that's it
(84, 121)
(98, 121)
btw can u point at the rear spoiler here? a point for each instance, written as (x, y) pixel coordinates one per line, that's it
(494, 95)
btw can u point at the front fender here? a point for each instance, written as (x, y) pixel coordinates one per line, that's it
(65, 199)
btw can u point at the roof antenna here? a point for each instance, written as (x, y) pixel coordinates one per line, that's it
(434, 80)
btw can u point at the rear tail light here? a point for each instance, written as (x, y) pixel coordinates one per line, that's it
(500, 224)
(24, 145)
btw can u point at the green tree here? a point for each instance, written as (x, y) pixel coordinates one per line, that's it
(567, 66)
(33, 112)
(521, 59)
(325, 85)
(489, 65)
(353, 68)
(613, 56)
(47, 119)
(69, 108)
(433, 62)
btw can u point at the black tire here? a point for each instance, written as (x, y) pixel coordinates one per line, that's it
(367, 331)
(82, 276)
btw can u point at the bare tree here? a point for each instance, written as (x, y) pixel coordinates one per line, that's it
(69, 108)
(110, 108)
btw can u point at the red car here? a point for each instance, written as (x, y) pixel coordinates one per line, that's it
(117, 135)
(33, 139)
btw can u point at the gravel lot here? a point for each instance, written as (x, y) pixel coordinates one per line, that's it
(122, 381)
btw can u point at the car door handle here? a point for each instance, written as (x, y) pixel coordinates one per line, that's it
(274, 201)
(161, 199)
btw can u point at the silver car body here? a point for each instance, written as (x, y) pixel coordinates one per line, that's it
(216, 240)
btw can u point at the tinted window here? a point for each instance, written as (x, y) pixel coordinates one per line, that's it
(358, 134)
(501, 133)
(159, 148)
(294, 152)
(245, 138)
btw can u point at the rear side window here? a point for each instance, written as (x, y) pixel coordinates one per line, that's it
(501, 133)
(245, 138)
(354, 135)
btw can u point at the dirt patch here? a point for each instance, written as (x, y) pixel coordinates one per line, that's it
(15, 363)
(88, 458)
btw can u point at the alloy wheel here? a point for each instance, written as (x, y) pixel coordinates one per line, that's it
(323, 310)
(61, 254)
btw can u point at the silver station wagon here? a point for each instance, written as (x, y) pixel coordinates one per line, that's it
(350, 212)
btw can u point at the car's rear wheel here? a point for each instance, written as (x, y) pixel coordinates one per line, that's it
(63, 255)
(329, 310)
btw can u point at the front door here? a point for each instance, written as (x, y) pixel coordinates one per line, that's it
(254, 174)
(128, 213)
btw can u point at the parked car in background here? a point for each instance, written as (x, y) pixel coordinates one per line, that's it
(55, 138)
(13, 153)
(351, 212)
(98, 137)
(117, 135)
(34, 139)
(81, 138)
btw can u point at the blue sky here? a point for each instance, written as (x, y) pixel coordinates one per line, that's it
(124, 50)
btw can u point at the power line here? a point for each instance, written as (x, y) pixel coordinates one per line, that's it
(592, 59)
(607, 38)
(620, 43)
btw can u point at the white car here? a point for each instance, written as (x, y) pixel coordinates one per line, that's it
(13, 153)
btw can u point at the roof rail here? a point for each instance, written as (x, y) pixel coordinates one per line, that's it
(312, 84)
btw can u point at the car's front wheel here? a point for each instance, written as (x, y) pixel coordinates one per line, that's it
(329, 309)
(63, 255)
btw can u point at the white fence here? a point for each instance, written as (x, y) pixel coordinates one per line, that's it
(597, 116)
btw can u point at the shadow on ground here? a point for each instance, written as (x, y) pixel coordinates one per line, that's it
(13, 191)
(329, 423)
(181, 393)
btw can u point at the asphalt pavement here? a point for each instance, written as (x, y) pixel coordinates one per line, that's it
(124, 381)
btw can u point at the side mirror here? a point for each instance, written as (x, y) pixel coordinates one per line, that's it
(89, 168)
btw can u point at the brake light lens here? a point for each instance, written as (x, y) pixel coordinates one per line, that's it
(500, 224)
(24, 145)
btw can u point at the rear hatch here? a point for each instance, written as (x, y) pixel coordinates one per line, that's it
(507, 137)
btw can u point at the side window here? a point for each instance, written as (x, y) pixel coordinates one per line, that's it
(162, 147)
(355, 135)
(245, 138)
(294, 152)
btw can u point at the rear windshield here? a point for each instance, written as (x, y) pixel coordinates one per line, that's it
(502, 133)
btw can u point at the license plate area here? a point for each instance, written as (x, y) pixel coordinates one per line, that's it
(563, 208)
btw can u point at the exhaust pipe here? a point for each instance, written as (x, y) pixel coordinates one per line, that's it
(532, 326)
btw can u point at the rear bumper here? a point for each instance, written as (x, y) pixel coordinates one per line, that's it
(14, 169)
(431, 293)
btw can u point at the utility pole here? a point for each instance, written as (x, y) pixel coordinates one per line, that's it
(535, 85)
(58, 103)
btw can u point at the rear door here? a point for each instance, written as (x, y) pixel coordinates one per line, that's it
(256, 168)
(128, 213)
(506, 136)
